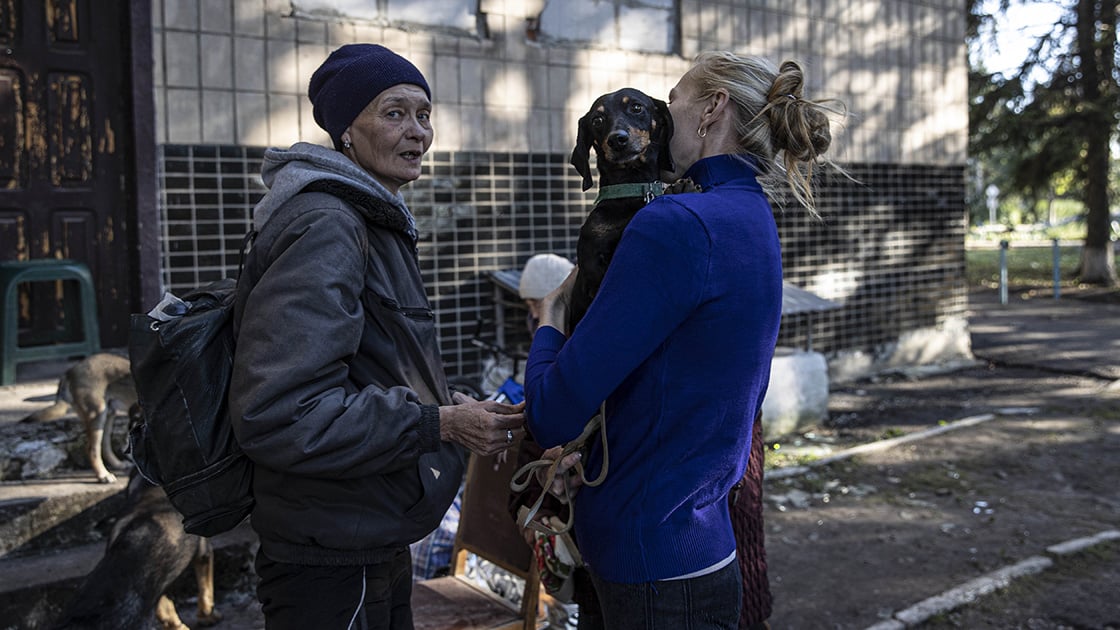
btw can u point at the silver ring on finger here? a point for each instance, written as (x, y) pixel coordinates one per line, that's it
(509, 436)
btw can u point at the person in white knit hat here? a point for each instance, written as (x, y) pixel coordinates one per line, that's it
(542, 274)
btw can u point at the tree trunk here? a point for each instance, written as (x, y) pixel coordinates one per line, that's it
(1097, 257)
(1098, 262)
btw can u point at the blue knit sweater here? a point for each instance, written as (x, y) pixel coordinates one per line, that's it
(678, 342)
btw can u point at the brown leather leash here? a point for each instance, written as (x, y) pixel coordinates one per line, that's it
(524, 475)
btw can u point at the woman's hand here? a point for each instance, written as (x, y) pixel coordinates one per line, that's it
(554, 306)
(485, 427)
(556, 488)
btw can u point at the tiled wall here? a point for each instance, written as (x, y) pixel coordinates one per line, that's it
(888, 246)
(206, 194)
(236, 71)
(231, 77)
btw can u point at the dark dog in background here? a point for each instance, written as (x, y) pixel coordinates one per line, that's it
(95, 388)
(629, 132)
(147, 551)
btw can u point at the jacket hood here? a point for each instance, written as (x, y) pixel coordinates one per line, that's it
(287, 172)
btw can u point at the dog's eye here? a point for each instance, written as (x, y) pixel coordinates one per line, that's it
(636, 108)
(597, 121)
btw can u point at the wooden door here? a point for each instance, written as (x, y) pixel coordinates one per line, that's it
(65, 140)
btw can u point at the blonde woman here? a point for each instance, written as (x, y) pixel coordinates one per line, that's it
(678, 342)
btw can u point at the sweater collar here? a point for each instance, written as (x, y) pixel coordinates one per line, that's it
(722, 169)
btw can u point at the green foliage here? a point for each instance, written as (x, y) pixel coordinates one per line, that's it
(1030, 136)
(1050, 127)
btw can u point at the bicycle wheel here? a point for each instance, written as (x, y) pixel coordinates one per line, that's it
(467, 386)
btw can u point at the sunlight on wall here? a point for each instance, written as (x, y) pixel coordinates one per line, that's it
(899, 67)
(835, 281)
(507, 97)
(454, 13)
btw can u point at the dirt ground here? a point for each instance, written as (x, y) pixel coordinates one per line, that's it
(853, 542)
(858, 540)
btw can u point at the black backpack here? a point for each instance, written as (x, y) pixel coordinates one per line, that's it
(182, 362)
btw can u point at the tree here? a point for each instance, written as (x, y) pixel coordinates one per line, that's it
(1037, 131)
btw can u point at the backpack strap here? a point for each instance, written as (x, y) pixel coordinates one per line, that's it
(246, 242)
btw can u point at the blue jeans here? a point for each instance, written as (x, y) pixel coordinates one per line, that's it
(370, 597)
(708, 601)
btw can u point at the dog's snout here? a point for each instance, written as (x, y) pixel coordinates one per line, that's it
(618, 139)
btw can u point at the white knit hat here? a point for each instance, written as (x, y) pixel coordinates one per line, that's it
(542, 274)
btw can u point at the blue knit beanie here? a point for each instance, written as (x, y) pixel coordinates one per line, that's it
(350, 78)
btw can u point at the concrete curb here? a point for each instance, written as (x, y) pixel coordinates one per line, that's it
(793, 471)
(973, 590)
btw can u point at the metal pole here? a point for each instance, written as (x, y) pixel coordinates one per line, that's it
(1057, 270)
(1003, 272)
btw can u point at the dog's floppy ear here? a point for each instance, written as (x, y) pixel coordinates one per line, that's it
(664, 134)
(582, 153)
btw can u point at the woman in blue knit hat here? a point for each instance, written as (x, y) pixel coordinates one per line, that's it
(339, 395)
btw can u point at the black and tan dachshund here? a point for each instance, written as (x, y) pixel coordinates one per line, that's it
(629, 131)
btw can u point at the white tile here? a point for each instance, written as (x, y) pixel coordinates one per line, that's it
(505, 129)
(157, 60)
(248, 17)
(282, 67)
(369, 33)
(217, 61)
(559, 85)
(180, 14)
(538, 133)
(161, 116)
(308, 60)
(311, 32)
(218, 117)
(181, 59)
(279, 27)
(310, 131)
(444, 81)
(252, 119)
(647, 29)
(473, 129)
(183, 116)
(471, 82)
(339, 33)
(563, 123)
(448, 129)
(216, 16)
(283, 116)
(249, 64)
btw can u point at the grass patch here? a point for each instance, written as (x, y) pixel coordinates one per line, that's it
(891, 433)
(1027, 264)
(778, 458)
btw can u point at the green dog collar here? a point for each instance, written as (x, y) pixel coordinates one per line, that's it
(646, 191)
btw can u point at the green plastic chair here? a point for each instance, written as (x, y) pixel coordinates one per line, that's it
(84, 308)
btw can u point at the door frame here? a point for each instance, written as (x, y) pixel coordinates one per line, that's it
(146, 254)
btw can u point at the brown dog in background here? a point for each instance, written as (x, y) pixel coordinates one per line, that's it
(629, 132)
(95, 388)
(147, 551)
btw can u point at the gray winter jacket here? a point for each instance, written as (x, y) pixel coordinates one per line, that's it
(337, 374)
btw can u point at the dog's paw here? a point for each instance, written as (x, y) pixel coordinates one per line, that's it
(210, 619)
(682, 185)
(108, 477)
